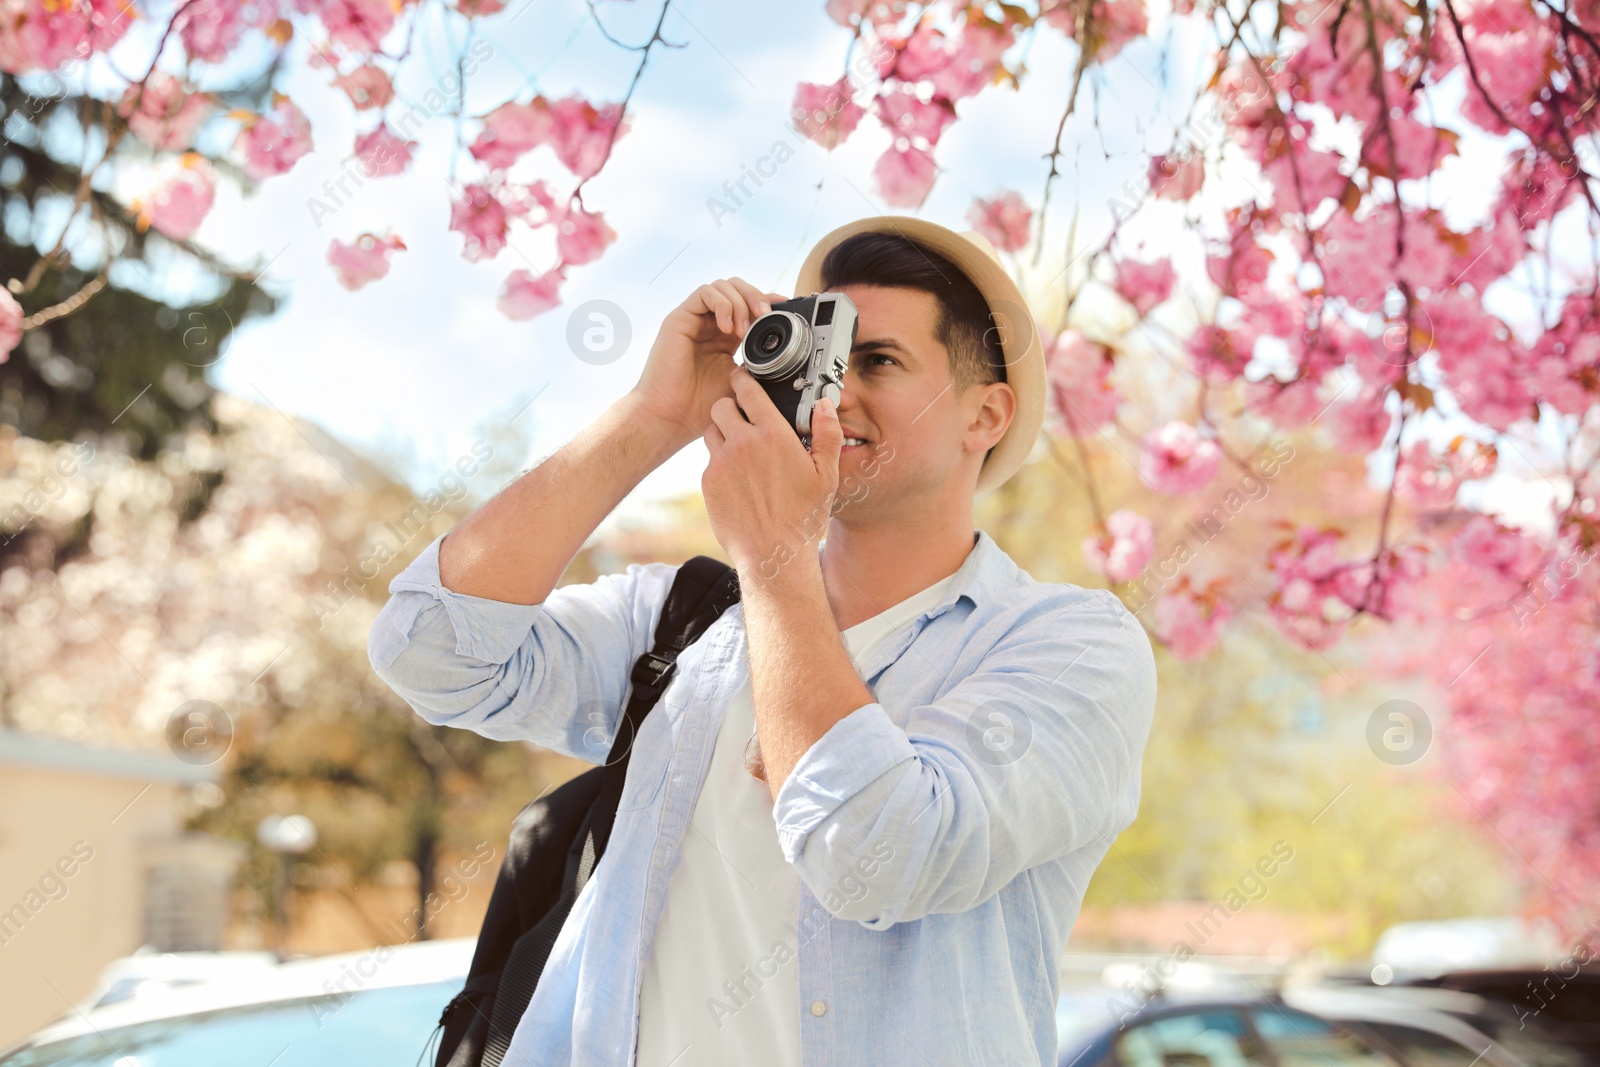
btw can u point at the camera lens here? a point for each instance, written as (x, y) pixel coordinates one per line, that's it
(776, 344)
(768, 337)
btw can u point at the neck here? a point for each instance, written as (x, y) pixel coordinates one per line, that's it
(868, 569)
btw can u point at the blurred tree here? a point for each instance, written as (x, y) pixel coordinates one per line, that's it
(111, 353)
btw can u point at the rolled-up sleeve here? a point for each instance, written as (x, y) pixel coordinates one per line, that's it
(554, 673)
(1036, 753)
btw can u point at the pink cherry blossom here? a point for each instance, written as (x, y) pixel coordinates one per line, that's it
(512, 129)
(1189, 623)
(1114, 22)
(988, 41)
(1307, 569)
(367, 87)
(1144, 285)
(1488, 547)
(955, 67)
(44, 34)
(1431, 478)
(10, 324)
(273, 145)
(879, 13)
(359, 25)
(382, 153)
(1387, 590)
(480, 7)
(164, 114)
(1177, 178)
(1124, 548)
(364, 260)
(483, 220)
(1004, 220)
(525, 296)
(1305, 173)
(1176, 459)
(908, 115)
(582, 133)
(1220, 354)
(1361, 422)
(1078, 371)
(1241, 270)
(904, 176)
(581, 235)
(211, 29)
(182, 197)
(826, 114)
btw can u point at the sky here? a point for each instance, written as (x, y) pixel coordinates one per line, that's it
(422, 359)
(421, 364)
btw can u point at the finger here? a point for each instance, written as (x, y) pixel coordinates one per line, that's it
(827, 439)
(758, 406)
(754, 299)
(740, 312)
(714, 439)
(709, 300)
(726, 417)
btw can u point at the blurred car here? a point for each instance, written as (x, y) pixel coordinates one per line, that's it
(1564, 996)
(1314, 1027)
(380, 1006)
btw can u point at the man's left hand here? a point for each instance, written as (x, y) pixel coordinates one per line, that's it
(768, 498)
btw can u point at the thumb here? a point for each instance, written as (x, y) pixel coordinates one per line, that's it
(826, 437)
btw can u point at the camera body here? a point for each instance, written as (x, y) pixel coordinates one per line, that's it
(799, 352)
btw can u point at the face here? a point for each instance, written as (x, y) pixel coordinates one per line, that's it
(925, 444)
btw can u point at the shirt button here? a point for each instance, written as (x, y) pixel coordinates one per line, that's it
(817, 1007)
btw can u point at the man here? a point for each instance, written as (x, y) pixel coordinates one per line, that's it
(858, 827)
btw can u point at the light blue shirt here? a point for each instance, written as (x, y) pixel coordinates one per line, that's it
(944, 833)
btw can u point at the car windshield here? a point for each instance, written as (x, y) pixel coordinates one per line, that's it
(375, 1026)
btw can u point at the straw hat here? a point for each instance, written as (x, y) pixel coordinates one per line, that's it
(1019, 338)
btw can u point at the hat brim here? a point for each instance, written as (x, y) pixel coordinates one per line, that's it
(1019, 338)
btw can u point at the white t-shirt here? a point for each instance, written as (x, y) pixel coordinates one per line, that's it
(720, 986)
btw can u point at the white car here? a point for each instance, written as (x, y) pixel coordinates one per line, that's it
(379, 1006)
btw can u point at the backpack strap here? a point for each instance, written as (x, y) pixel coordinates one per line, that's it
(702, 590)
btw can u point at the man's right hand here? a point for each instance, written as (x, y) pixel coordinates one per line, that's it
(690, 363)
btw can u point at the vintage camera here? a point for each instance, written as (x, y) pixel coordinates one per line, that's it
(799, 352)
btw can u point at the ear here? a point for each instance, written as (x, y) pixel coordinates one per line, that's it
(993, 407)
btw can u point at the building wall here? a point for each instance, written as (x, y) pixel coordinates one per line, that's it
(79, 850)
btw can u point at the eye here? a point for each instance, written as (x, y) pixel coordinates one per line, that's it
(879, 355)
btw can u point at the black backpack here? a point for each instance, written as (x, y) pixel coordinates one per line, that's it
(559, 838)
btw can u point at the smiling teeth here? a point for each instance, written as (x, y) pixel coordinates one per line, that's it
(855, 440)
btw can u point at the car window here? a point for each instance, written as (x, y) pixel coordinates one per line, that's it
(387, 1026)
(1424, 1048)
(1215, 1038)
(1302, 1040)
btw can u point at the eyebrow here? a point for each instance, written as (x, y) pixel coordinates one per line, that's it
(866, 347)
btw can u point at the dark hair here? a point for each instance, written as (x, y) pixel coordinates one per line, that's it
(964, 326)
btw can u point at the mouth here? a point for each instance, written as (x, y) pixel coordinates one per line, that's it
(854, 442)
